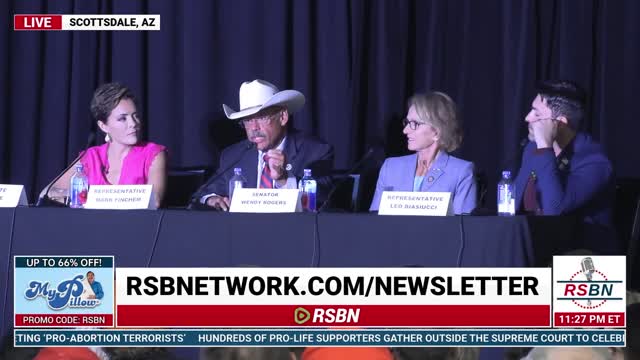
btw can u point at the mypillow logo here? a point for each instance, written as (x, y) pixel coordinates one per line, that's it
(67, 294)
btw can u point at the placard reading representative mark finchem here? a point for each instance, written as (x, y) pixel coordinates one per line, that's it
(63, 291)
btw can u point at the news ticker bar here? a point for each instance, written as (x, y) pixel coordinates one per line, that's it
(85, 22)
(318, 338)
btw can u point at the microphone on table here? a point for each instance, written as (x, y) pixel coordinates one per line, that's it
(45, 200)
(194, 203)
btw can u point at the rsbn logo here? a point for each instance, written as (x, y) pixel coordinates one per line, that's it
(67, 294)
(324, 316)
(589, 288)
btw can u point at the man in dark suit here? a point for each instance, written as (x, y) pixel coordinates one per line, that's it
(273, 156)
(565, 171)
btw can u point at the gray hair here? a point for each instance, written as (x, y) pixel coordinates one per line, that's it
(439, 110)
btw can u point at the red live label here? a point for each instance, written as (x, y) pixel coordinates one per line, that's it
(37, 22)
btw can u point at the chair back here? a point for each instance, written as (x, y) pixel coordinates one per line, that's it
(182, 182)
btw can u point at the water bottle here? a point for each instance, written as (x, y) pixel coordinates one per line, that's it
(506, 195)
(78, 189)
(237, 181)
(309, 187)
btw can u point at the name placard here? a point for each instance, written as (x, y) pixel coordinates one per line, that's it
(415, 203)
(265, 201)
(120, 197)
(12, 195)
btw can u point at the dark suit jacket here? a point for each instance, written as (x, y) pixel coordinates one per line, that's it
(579, 181)
(301, 151)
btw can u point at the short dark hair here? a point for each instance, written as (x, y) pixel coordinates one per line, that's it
(106, 98)
(564, 98)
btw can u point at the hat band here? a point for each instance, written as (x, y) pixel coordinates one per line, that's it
(251, 107)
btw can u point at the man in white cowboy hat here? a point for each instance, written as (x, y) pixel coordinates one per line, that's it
(274, 155)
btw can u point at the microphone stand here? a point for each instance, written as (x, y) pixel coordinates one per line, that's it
(194, 203)
(343, 179)
(45, 200)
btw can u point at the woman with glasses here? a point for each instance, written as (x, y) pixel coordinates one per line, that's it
(124, 159)
(432, 131)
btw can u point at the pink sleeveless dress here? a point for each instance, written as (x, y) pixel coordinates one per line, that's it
(135, 166)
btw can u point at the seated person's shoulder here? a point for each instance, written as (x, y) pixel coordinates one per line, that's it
(96, 150)
(151, 146)
(94, 156)
(591, 151)
(237, 147)
(309, 139)
(460, 163)
(395, 161)
(313, 145)
(152, 149)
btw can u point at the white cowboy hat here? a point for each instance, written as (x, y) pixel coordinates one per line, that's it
(260, 94)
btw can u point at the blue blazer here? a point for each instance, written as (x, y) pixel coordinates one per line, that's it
(579, 181)
(448, 174)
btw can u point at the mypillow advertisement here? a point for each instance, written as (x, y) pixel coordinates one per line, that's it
(64, 291)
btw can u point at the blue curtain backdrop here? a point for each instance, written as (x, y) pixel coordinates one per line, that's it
(356, 61)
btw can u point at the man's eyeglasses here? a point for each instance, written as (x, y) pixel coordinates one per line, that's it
(412, 124)
(262, 120)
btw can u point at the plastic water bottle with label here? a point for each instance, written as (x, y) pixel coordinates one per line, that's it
(78, 188)
(309, 187)
(237, 181)
(506, 195)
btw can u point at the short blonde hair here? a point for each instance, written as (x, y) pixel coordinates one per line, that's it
(439, 110)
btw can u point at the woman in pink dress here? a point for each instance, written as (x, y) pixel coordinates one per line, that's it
(124, 159)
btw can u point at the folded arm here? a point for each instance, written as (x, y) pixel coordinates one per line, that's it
(583, 183)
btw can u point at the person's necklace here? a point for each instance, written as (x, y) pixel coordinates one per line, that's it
(424, 167)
